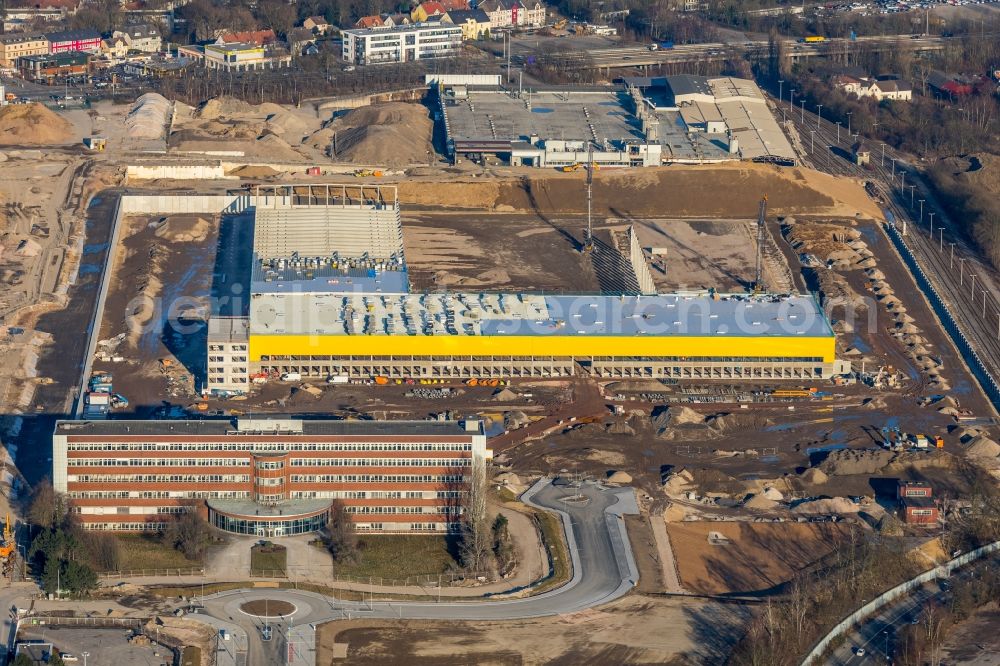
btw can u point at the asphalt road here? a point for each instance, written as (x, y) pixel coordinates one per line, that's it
(603, 570)
(877, 636)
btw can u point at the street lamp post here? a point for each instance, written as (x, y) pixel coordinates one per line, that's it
(941, 239)
(931, 214)
(921, 202)
(912, 188)
(838, 132)
(902, 182)
(812, 141)
(893, 167)
(849, 121)
(951, 260)
(803, 111)
(882, 164)
(961, 271)
(781, 84)
(819, 114)
(84, 655)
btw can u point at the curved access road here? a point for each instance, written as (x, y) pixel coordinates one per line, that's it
(602, 562)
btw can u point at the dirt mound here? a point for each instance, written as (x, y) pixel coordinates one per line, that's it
(516, 419)
(34, 125)
(760, 502)
(221, 107)
(729, 423)
(815, 476)
(183, 228)
(504, 395)
(773, 493)
(620, 477)
(394, 134)
(983, 447)
(252, 171)
(856, 461)
(826, 506)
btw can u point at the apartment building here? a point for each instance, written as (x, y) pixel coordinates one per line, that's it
(18, 44)
(401, 44)
(86, 41)
(268, 477)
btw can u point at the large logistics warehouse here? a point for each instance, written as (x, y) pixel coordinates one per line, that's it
(267, 477)
(321, 307)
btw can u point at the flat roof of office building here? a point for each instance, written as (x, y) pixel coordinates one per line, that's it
(264, 426)
(490, 314)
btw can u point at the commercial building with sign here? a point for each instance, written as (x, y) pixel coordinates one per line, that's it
(267, 477)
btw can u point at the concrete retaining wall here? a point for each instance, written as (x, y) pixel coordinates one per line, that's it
(345, 103)
(189, 203)
(876, 604)
(177, 172)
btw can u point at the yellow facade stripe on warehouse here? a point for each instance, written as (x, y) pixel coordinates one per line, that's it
(482, 345)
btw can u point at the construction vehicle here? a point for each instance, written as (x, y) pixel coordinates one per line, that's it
(560, 24)
(366, 173)
(570, 168)
(8, 550)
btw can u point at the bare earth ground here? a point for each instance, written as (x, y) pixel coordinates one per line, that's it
(752, 557)
(632, 630)
(976, 641)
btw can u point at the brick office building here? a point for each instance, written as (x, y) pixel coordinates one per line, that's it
(267, 477)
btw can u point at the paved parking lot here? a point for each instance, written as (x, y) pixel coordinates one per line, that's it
(106, 646)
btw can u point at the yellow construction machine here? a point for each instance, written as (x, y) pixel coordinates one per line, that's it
(8, 550)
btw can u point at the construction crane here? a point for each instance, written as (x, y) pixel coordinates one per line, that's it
(589, 243)
(758, 283)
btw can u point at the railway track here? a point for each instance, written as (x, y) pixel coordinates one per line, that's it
(966, 285)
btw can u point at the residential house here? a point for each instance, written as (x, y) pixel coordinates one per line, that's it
(85, 41)
(369, 22)
(255, 37)
(475, 23)
(892, 89)
(395, 20)
(316, 24)
(115, 48)
(18, 44)
(299, 39)
(141, 37)
(425, 10)
(513, 13)
(864, 86)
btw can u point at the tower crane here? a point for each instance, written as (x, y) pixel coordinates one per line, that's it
(758, 283)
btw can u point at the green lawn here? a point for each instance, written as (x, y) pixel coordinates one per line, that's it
(268, 560)
(143, 551)
(552, 536)
(397, 556)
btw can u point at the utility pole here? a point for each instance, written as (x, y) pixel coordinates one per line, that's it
(819, 115)
(803, 111)
(921, 202)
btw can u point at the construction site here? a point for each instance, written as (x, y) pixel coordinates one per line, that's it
(760, 366)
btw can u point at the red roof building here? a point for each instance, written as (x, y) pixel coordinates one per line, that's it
(256, 37)
(369, 22)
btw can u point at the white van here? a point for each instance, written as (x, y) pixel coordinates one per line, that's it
(291, 376)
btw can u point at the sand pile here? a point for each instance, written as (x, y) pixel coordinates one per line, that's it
(620, 477)
(760, 502)
(983, 447)
(220, 107)
(773, 493)
(728, 423)
(856, 461)
(34, 125)
(183, 228)
(504, 395)
(394, 135)
(507, 478)
(287, 124)
(815, 476)
(679, 483)
(252, 171)
(825, 506)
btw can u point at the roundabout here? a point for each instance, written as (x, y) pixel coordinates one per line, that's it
(268, 608)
